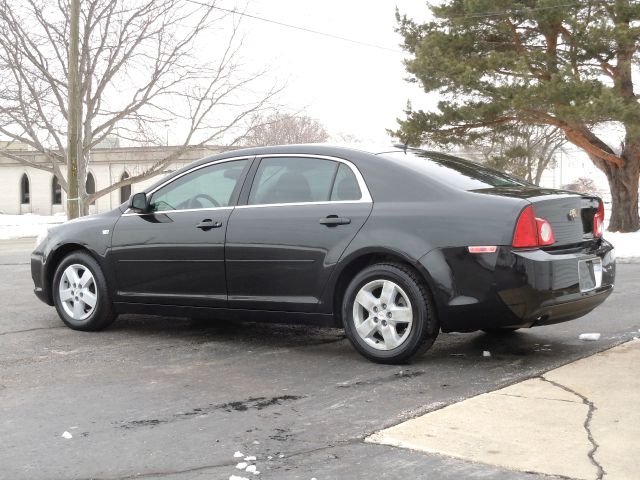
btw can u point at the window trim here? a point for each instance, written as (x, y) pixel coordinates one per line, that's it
(22, 190)
(54, 182)
(125, 175)
(129, 213)
(365, 196)
(95, 188)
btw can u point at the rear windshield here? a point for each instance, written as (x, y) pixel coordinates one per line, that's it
(454, 171)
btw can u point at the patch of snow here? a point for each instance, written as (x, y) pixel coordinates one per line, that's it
(27, 225)
(627, 245)
(238, 455)
(235, 477)
(486, 353)
(589, 337)
(242, 465)
(67, 435)
(250, 458)
(256, 442)
(252, 469)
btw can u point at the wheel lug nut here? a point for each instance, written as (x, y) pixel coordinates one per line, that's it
(375, 309)
(389, 315)
(384, 306)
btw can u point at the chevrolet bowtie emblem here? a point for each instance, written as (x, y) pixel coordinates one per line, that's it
(573, 214)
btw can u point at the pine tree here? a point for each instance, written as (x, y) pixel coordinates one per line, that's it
(567, 64)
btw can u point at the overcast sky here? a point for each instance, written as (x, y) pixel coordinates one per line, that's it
(351, 88)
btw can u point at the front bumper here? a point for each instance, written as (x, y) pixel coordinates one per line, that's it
(38, 274)
(517, 288)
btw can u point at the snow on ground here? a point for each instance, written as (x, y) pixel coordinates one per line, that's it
(627, 244)
(28, 225)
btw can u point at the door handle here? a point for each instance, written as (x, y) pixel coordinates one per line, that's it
(334, 220)
(208, 224)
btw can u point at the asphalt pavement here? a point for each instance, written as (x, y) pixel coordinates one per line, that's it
(160, 397)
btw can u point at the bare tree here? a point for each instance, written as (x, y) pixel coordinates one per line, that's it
(143, 64)
(524, 151)
(285, 128)
(583, 185)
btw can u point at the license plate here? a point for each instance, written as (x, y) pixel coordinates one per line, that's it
(590, 274)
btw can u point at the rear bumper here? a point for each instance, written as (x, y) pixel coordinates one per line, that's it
(514, 288)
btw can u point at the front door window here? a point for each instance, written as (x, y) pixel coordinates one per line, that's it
(207, 187)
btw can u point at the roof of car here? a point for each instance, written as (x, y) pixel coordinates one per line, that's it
(318, 148)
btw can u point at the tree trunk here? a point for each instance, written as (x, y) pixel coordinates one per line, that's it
(83, 207)
(623, 183)
(73, 137)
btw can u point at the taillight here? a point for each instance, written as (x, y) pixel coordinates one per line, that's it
(598, 222)
(532, 232)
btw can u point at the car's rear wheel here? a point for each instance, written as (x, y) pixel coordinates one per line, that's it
(388, 314)
(80, 293)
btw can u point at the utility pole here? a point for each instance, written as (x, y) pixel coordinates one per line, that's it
(73, 110)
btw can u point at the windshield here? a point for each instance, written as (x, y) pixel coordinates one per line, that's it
(454, 171)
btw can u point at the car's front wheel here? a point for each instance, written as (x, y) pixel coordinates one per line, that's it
(80, 293)
(388, 314)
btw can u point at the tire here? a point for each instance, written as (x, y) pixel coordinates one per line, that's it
(406, 296)
(500, 330)
(74, 292)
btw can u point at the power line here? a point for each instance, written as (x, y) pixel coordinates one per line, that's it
(296, 27)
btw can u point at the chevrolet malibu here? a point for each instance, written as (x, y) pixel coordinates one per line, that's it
(394, 245)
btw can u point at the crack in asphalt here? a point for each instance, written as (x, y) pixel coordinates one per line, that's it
(380, 380)
(587, 424)
(30, 330)
(200, 468)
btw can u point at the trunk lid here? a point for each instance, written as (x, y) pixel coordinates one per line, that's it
(569, 213)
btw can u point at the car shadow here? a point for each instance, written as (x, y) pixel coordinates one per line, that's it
(203, 331)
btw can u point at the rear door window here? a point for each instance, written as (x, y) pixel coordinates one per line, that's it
(293, 180)
(346, 186)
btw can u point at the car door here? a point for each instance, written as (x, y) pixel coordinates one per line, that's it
(290, 229)
(175, 253)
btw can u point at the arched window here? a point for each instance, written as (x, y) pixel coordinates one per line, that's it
(25, 196)
(125, 192)
(90, 186)
(56, 191)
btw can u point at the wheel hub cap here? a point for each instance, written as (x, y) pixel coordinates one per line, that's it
(382, 314)
(77, 292)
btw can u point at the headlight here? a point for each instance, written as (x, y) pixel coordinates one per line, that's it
(42, 235)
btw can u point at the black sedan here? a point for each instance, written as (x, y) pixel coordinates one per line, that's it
(393, 244)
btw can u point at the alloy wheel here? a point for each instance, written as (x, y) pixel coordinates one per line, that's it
(77, 292)
(382, 314)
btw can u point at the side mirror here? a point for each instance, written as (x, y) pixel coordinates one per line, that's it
(139, 202)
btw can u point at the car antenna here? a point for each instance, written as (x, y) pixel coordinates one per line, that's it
(404, 146)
